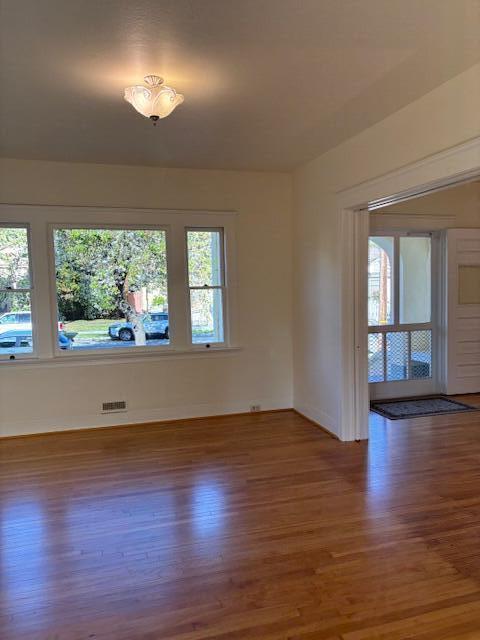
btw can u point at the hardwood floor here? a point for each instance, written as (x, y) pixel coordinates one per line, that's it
(247, 527)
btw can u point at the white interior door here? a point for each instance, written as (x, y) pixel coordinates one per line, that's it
(402, 306)
(463, 311)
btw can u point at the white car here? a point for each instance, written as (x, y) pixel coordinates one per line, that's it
(154, 323)
(18, 321)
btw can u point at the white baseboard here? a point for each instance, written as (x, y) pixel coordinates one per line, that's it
(320, 417)
(47, 425)
(464, 387)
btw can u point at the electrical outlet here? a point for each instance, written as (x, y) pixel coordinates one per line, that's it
(255, 408)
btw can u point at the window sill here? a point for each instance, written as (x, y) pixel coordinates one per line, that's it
(87, 359)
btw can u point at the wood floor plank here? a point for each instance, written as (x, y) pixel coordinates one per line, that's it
(242, 527)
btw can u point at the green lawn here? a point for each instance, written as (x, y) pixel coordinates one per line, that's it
(93, 327)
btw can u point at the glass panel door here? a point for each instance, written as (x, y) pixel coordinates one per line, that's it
(401, 360)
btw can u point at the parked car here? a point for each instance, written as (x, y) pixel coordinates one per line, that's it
(154, 323)
(22, 338)
(18, 321)
(21, 321)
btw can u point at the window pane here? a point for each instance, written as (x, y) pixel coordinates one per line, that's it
(415, 280)
(397, 355)
(204, 258)
(375, 357)
(15, 324)
(421, 354)
(380, 282)
(109, 283)
(207, 315)
(14, 268)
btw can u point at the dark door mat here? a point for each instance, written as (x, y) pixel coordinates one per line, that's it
(419, 407)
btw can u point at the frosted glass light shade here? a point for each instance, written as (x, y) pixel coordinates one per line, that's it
(154, 101)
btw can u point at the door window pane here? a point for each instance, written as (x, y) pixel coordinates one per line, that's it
(380, 280)
(392, 348)
(397, 355)
(421, 354)
(207, 315)
(375, 358)
(415, 280)
(112, 287)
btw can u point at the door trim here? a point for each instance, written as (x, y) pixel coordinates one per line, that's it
(438, 171)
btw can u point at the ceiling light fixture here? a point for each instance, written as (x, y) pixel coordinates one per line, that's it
(154, 101)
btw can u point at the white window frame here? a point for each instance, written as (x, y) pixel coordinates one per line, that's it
(61, 353)
(9, 357)
(222, 287)
(41, 220)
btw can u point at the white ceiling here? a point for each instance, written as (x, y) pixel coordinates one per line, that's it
(268, 84)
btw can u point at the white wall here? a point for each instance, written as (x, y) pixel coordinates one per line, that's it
(446, 117)
(41, 397)
(461, 202)
(45, 398)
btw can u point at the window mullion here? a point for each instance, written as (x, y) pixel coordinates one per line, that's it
(384, 356)
(396, 281)
(178, 293)
(409, 355)
(44, 321)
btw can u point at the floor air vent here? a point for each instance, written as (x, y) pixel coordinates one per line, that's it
(111, 407)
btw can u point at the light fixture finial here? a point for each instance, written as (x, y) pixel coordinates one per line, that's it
(153, 81)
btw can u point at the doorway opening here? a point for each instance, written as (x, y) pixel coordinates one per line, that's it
(423, 335)
(439, 172)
